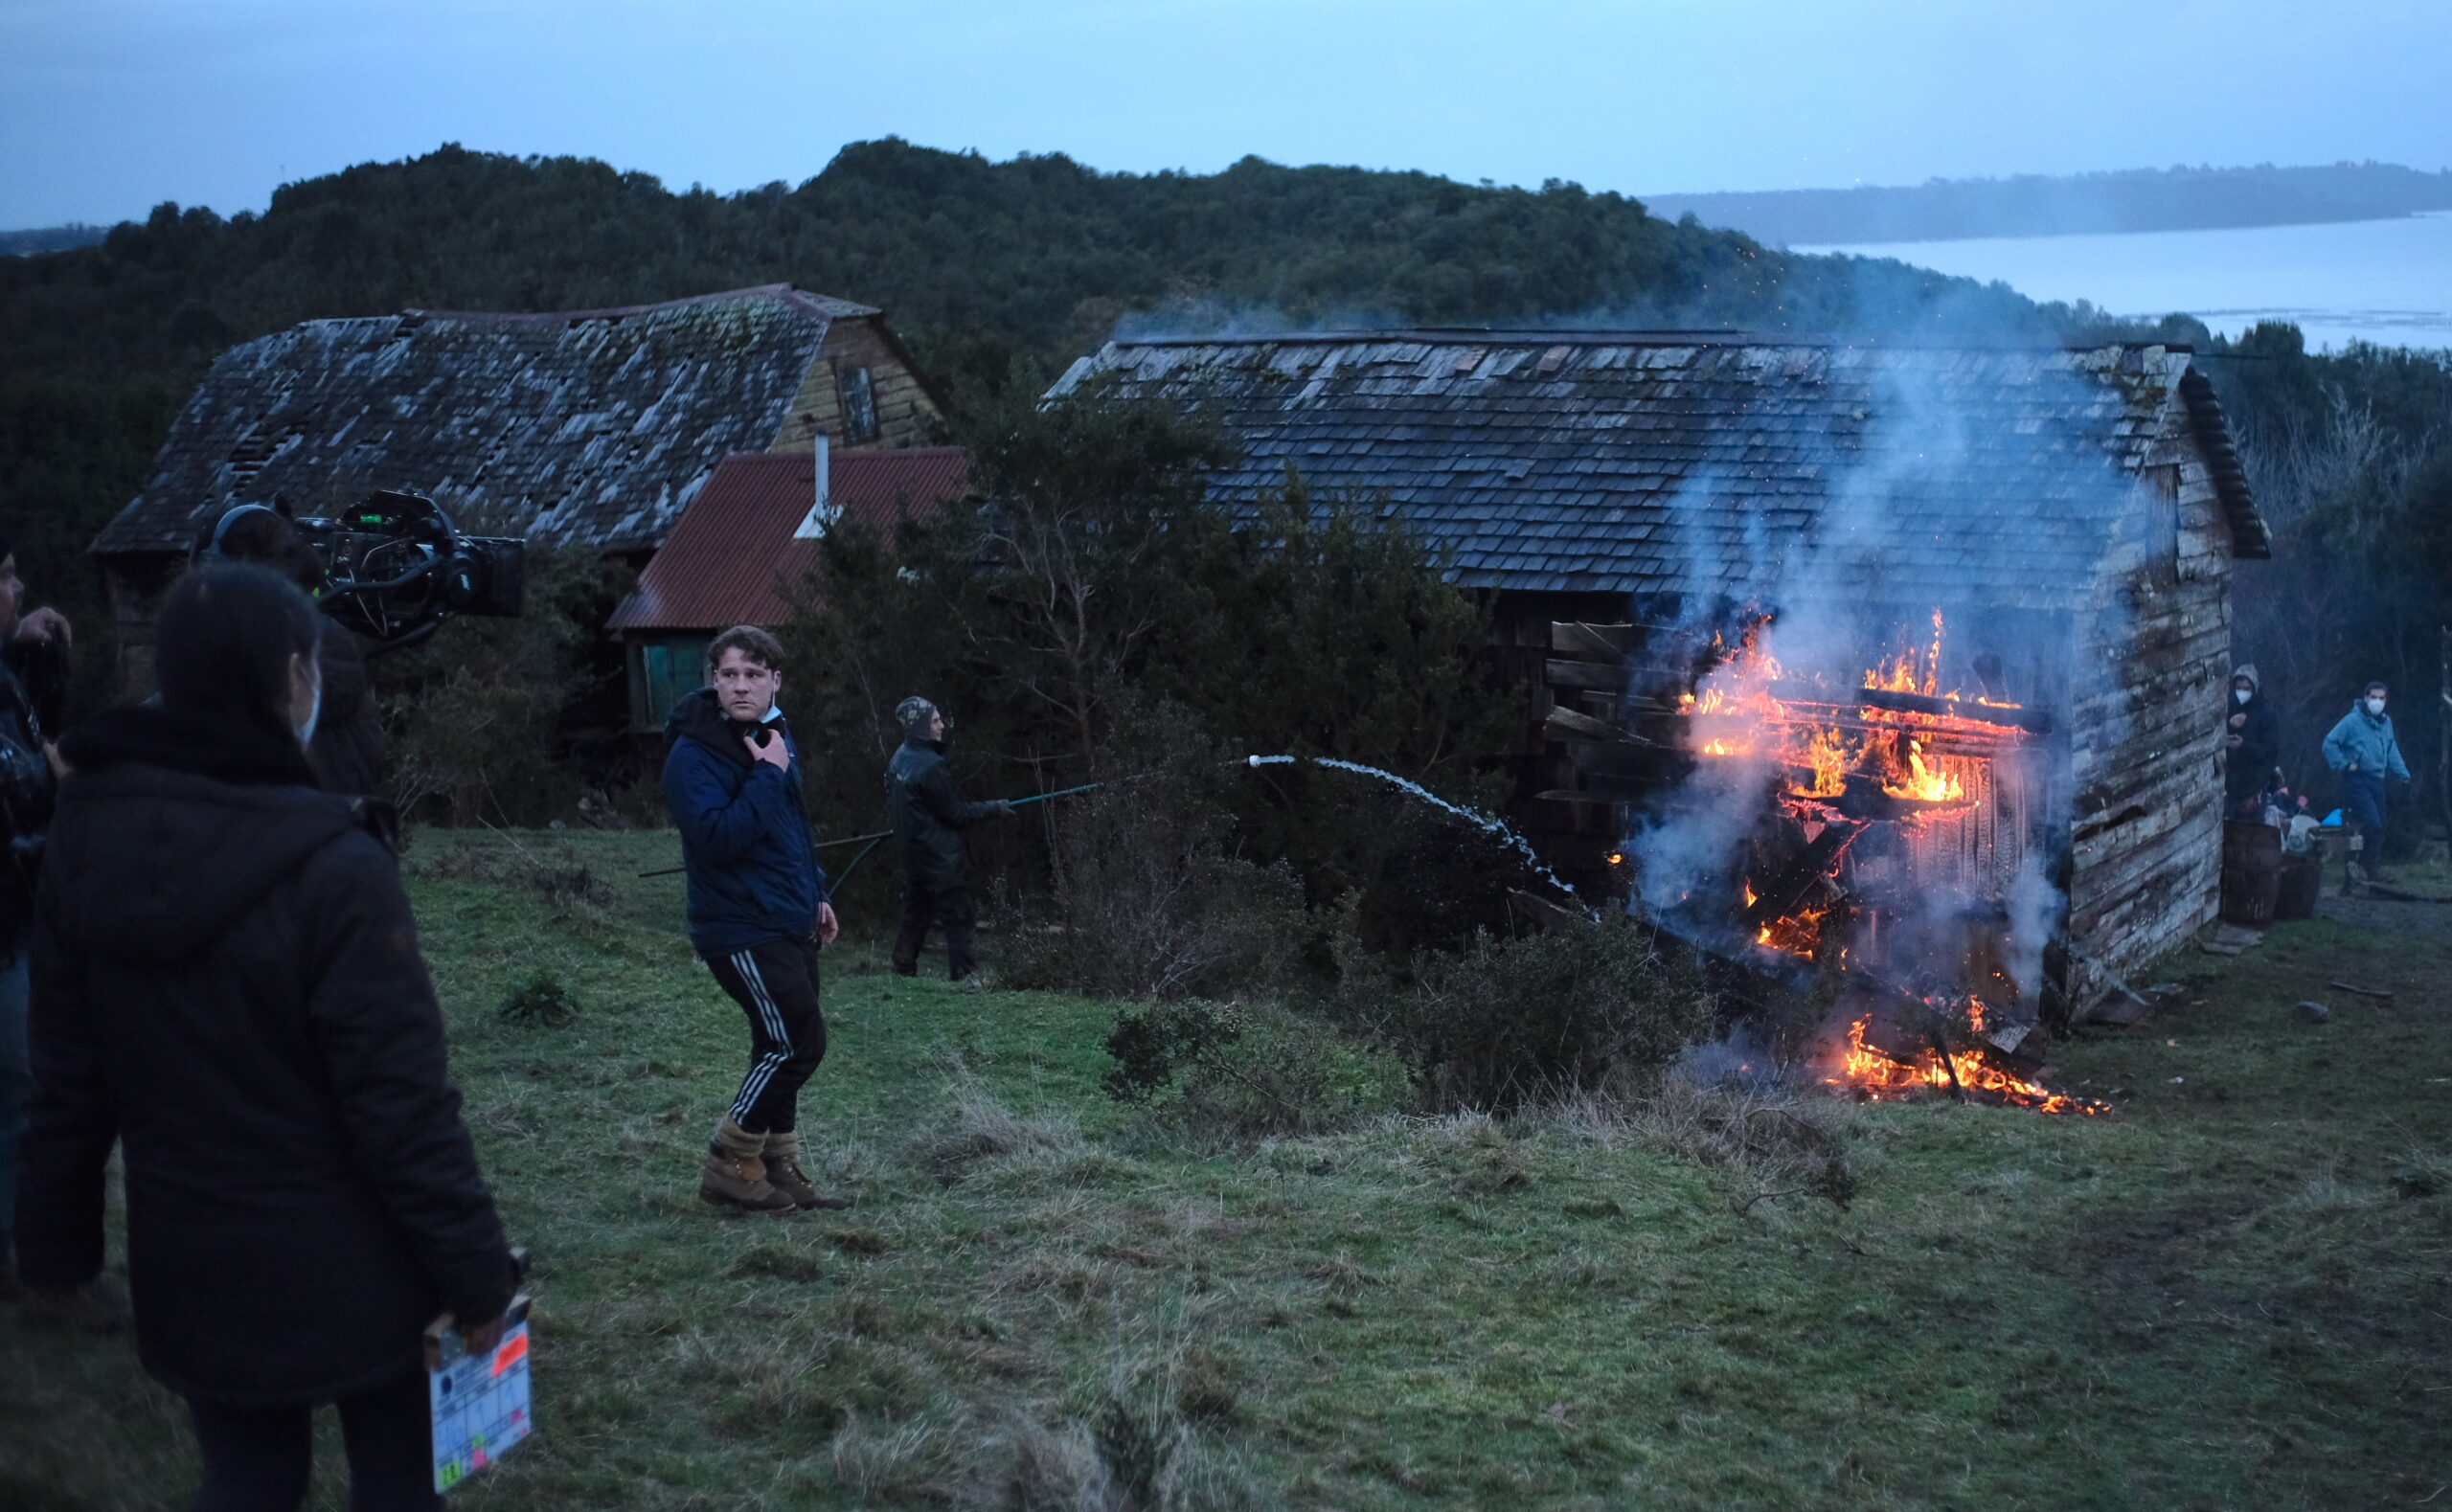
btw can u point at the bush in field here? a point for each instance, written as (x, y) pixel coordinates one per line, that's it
(509, 721)
(1145, 901)
(1250, 1071)
(1511, 1021)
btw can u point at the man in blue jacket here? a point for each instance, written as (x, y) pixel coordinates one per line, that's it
(2362, 749)
(757, 910)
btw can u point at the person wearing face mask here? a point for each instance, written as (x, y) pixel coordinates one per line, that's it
(2251, 738)
(227, 985)
(2363, 749)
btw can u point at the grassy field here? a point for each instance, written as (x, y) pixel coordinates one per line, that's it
(2229, 1294)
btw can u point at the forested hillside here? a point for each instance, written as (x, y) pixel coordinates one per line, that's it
(983, 265)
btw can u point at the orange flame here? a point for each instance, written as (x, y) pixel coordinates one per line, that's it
(1827, 753)
(1923, 784)
(1880, 1078)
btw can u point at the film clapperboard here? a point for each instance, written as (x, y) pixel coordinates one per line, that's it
(480, 1402)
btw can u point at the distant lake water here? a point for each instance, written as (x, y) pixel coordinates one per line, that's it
(2388, 282)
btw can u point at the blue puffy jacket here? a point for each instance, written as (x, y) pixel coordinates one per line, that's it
(745, 847)
(2366, 739)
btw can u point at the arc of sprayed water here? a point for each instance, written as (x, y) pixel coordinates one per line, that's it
(1474, 816)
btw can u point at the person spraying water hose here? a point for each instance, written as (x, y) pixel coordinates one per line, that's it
(929, 818)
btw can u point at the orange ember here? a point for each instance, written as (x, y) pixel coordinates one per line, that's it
(1880, 1078)
(1798, 934)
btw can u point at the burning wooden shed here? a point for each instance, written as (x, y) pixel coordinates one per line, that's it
(594, 428)
(1930, 642)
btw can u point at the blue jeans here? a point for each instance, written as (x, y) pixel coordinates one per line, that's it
(2363, 798)
(17, 1089)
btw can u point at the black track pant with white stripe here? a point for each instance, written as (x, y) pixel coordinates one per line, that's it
(776, 984)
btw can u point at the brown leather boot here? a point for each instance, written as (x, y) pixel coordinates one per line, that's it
(734, 1176)
(784, 1171)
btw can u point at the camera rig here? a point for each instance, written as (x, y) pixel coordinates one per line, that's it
(395, 567)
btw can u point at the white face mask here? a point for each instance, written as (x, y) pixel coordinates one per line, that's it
(2240, 693)
(2375, 706)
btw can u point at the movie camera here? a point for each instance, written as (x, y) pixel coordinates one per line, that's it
(395, 567)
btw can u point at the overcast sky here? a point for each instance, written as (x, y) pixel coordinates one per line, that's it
(110, 106)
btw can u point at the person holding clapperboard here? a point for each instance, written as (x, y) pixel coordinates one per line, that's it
(226, 981)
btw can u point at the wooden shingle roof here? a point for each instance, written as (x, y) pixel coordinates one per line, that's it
(1618, 462)
(592, 427)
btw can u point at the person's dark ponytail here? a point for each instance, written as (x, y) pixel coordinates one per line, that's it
(226, 637)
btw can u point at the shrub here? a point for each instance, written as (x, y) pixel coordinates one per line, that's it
(508, 721)
(542, 998)
(1146, 901)
(1508, 1021)
(1250, 1072)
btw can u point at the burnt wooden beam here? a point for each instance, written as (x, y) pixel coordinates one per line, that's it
(1596, 643)
(1779, 894)
(1565, 724)
(1609, 677)
(2033, 721)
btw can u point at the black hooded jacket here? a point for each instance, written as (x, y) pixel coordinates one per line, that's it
(226, 980)
(2250, 768)
(928, 818)
(752, 873)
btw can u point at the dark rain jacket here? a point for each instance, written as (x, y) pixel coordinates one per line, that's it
(226, 981)
(928, 818)
(348, 748)
(2250, 768)
(745, 849)
(26, 789)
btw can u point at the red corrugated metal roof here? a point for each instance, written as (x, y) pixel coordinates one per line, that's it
(733, 552)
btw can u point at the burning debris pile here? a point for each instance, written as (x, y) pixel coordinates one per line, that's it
(1873, 828)
(1897, 1072)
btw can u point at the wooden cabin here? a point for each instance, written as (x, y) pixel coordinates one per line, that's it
(2074, 513)
(590, 428)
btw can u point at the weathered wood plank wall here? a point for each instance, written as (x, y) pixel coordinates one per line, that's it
(2145, 749)
(906, 415)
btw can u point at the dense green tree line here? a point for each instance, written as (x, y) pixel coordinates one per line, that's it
(2350, 455)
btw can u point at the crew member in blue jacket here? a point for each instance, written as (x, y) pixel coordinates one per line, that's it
(758, 912)
(2363, 749)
